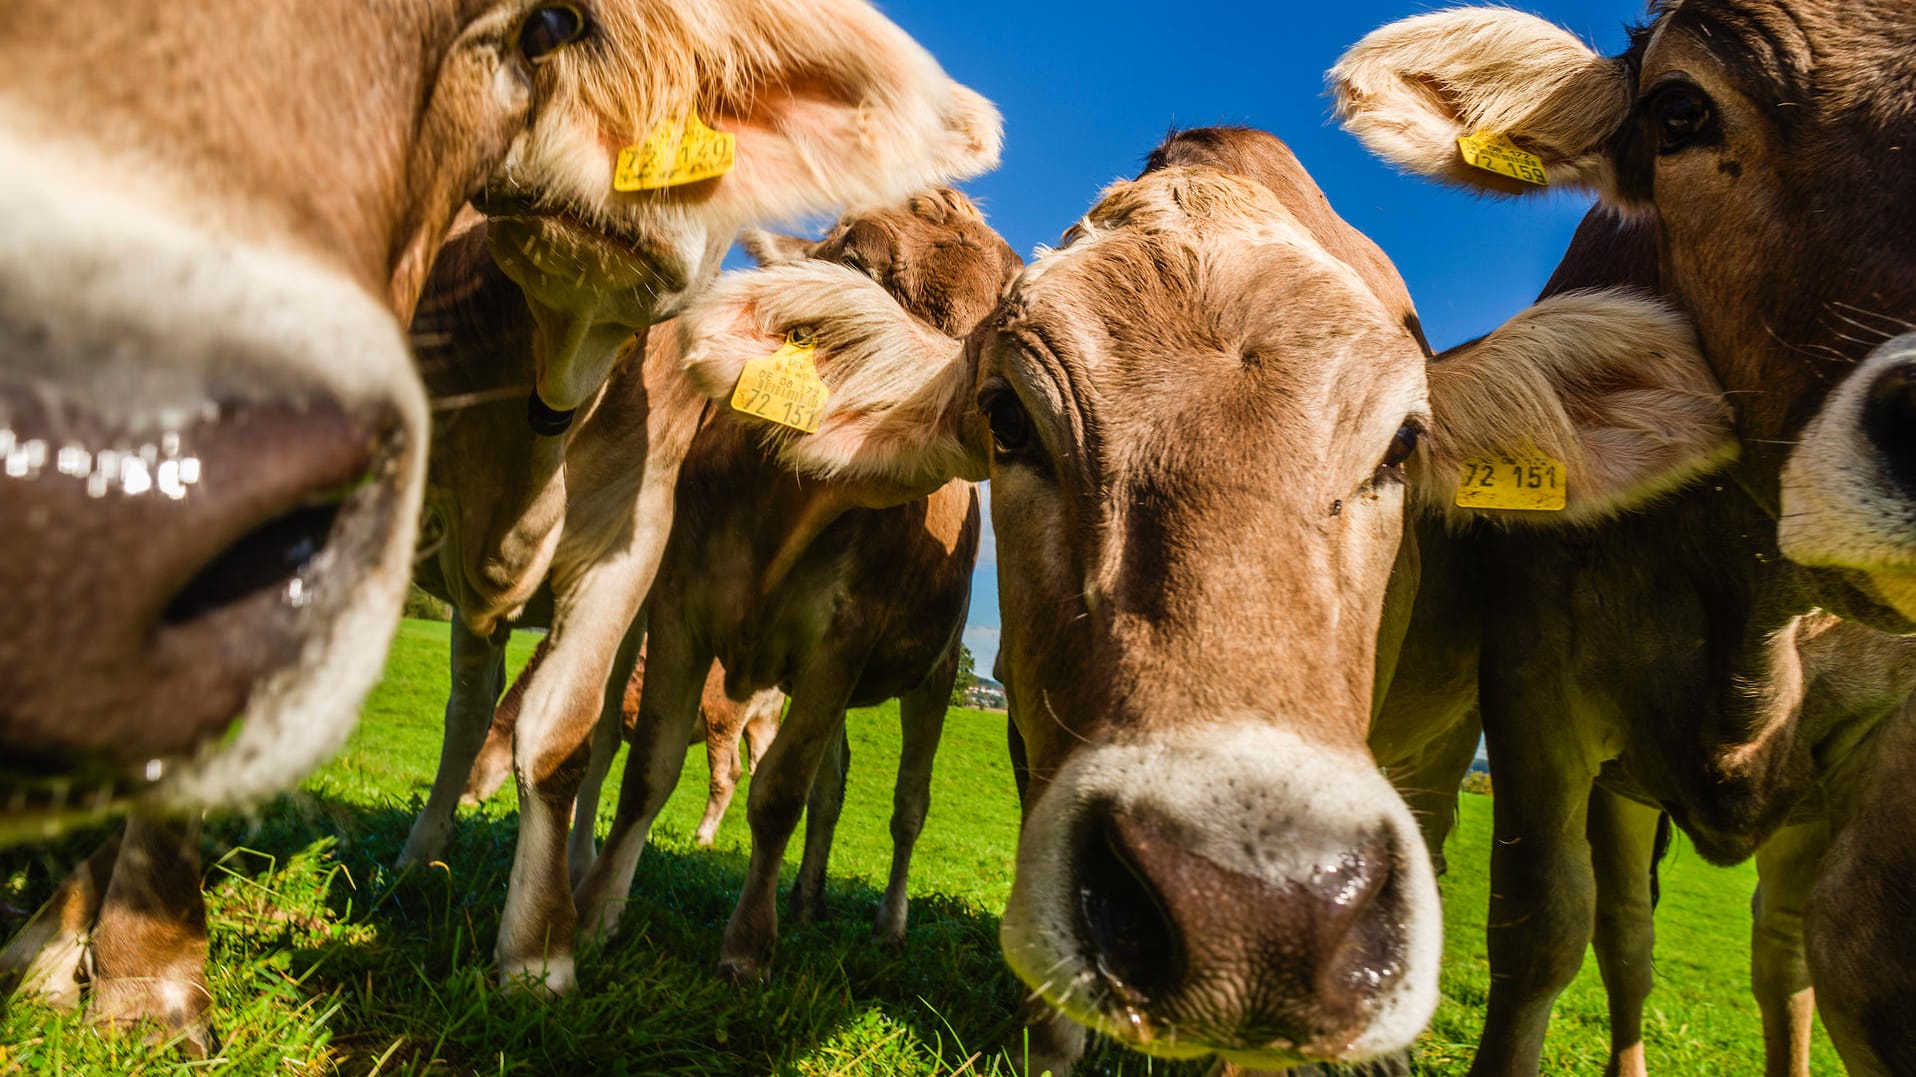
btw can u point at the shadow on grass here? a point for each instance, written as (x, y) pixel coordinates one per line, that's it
(365, 969)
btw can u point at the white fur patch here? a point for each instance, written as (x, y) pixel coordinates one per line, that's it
(1266, 803)
(1841, 507)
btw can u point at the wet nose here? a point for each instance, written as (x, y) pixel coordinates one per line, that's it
(151, 581)
(1234, 958)
(1889, 421)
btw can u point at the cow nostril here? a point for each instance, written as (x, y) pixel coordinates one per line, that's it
(1125, 922)
(266, 558)
(1889, 419)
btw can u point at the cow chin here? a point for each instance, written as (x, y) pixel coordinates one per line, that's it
(1849, 489)
(1233, 890)
(214, 457)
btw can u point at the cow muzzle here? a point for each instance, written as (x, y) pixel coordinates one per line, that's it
(1253, 897)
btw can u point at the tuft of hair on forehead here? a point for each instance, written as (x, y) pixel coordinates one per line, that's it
(897, 387)
(1609, 381)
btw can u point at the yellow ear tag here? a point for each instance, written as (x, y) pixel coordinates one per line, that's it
(1496, 153)
(1526, 480)
(784, 387)
(673, 155)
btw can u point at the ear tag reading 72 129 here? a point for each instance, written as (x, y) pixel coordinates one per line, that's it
(784, 387)
(1526, 480)
(673, 155)
(1496, 153)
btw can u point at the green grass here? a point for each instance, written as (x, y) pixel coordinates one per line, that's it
(327, 961)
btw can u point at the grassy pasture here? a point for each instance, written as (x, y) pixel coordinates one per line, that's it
(326, 961)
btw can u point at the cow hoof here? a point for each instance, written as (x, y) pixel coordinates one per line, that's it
(545, 979)
(743, 971)
(705, 840)
(166, 1012)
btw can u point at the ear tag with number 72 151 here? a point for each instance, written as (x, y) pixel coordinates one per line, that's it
(784, 387)
(1526, 480)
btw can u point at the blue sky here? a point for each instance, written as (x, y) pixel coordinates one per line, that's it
(1087, 89)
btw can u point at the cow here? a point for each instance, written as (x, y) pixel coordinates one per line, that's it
(834, 589)
(542, 335)
(1722, 147)
(721, 724)
(214, 435)
(1204, 417)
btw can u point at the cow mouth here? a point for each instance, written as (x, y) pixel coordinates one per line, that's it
(620, 250)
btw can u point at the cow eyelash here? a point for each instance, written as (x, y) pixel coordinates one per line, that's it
(1403, 444)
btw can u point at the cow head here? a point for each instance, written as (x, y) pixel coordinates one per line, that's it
(1204, 417)
(211, 428)
(829, 105)
(1764, 141)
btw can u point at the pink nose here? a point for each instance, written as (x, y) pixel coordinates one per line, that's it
(1232, 959)
(152, 581)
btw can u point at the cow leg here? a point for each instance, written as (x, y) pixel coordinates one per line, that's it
(149, 946)
(668, 708)
(779, 791)
(1429, 785)
(478, 676)
(494, 763)
(1542, 892)
(1859, 930)
(603, 749)
(722, 764)
(1786, 870)
(1623, 838)
(921, 714)
(822, 807)
(46, 960)
(761, 725)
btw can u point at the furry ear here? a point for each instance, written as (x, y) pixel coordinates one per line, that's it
(1609, 382)
(774, 248)
(1411, 89)
(901, 408)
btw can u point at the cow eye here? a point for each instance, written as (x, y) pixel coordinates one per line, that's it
(1402, 444)
(1010, 426)
(1682, 114)
(549, 29)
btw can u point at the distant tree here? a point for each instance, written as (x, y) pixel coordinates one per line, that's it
(967, 677)
(425, 607)
(1477, 781)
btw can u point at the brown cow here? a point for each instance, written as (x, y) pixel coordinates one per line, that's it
(720, 726)
(838, 589)
(204, 394)
(1201, 417)
(625, 449)
(1725, 147)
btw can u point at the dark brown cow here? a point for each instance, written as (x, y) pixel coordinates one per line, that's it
(721, 725)
(1749, 155)
(1201, 417)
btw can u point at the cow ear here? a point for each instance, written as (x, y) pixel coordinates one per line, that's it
(901, 408)
(1610, 384)
(1412, 89)
(774, 248)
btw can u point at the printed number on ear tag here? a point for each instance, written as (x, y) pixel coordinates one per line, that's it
(1496, 153)
(1527, 481)
(675, 154)
(784, 387)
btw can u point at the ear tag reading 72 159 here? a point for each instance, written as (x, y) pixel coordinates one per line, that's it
(784, 387)
(673, 155)
(1526, 480)
(1496, 153)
